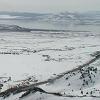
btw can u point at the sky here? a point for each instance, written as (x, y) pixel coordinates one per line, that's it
(49, 5)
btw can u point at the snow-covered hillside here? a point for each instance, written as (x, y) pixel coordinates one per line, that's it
(49, 65)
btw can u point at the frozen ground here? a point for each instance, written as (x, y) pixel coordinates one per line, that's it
(32, 57)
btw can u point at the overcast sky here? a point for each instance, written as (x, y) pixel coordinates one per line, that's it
(49, 5)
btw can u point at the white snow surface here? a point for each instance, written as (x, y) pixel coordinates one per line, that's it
(42, 55)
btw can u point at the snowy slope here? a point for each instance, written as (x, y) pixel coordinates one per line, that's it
(33, 57)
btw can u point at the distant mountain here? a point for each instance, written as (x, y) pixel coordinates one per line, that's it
(66, 18)
(20, 15)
